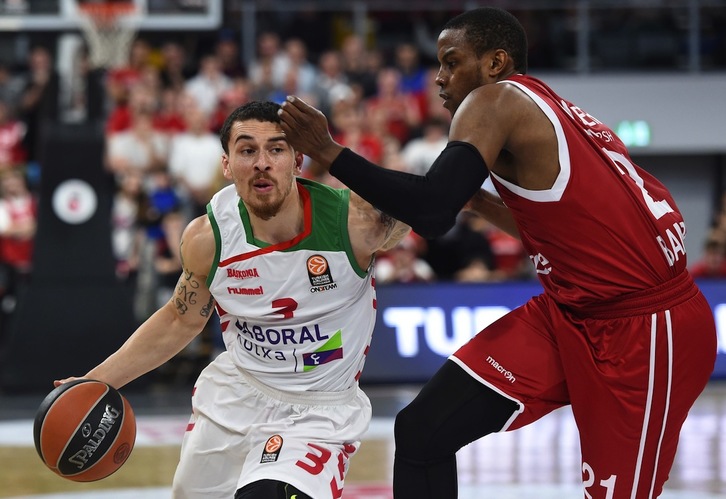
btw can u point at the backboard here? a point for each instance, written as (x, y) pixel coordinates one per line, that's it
(60, 15)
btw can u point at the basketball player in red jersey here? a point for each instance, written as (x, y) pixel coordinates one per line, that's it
(621, 332)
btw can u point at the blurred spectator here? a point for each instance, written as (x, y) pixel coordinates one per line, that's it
(270, 62)
(239, 93)
(139, 148)
(403, 263)
(120, 80)
(18, 222)
(160, 200)
(312, 25)
(413, 73)
(138, 99)
(391, 110)
(12, 131)
(358, 71)
(712, 264)
(332, 84)
(39, 99)
(227, 51)
(420, 153)
(208, 85)
(290, 86)
(464, 253)
(167, 259)
(175, 69)
(306, 74)
(195, 158)
(510, 258)
(125, 229)
(11, 86)
(264, 86)
(348, 121)
(169, 118)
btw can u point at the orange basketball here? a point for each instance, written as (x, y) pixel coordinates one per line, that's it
(84, 430)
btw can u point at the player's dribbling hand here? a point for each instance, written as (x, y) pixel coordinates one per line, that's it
(59, 382)
(306, 129)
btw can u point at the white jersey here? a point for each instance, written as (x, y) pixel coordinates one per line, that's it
(297, 315)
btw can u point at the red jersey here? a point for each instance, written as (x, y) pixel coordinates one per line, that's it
(606, 228)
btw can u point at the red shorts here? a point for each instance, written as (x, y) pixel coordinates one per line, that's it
(631, 371)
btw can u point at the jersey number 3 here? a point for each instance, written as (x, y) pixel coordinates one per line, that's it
(285, 307)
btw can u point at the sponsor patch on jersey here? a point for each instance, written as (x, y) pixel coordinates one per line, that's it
(272, 449)
(319, 273)
(330, 351)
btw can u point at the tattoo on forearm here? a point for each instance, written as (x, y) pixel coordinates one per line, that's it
(207, 309)
(180, 306)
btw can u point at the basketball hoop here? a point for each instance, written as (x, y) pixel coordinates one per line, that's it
(109, 29)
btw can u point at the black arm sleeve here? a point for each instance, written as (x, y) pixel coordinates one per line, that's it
(429, 203)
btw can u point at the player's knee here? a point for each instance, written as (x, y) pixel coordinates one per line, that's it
(269, 489)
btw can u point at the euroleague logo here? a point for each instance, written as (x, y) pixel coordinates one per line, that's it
(317, 265)
(319, 274)
(272, 449)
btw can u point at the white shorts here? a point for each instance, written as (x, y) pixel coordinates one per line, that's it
(242, 431)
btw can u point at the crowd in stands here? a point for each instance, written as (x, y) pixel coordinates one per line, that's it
(712, 264)
(162, 112)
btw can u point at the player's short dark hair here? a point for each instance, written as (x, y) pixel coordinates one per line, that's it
(264, 111)
(490, 28)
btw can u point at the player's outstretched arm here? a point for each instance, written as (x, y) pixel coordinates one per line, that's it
(175, 324)
(429, 203)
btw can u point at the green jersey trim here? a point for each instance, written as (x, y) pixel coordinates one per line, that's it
(217, 245)
(329, 233)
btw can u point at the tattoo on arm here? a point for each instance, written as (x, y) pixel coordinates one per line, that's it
(207, 309)
(185, 294)
(395, 230)
(389, 223)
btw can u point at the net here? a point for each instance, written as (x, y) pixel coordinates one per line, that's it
(109, 28)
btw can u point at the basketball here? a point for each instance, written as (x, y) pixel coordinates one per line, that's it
(84, 430)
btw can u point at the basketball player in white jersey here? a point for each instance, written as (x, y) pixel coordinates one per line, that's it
(288, 265)
(621, 333)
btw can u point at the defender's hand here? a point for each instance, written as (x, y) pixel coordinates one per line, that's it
(306, 129)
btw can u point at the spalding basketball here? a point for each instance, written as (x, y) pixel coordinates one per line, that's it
(84, 430)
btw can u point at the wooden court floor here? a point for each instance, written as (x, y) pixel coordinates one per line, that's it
(540, 461)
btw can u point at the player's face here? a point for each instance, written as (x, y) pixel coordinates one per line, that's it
(459, 70)
(262, 166)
